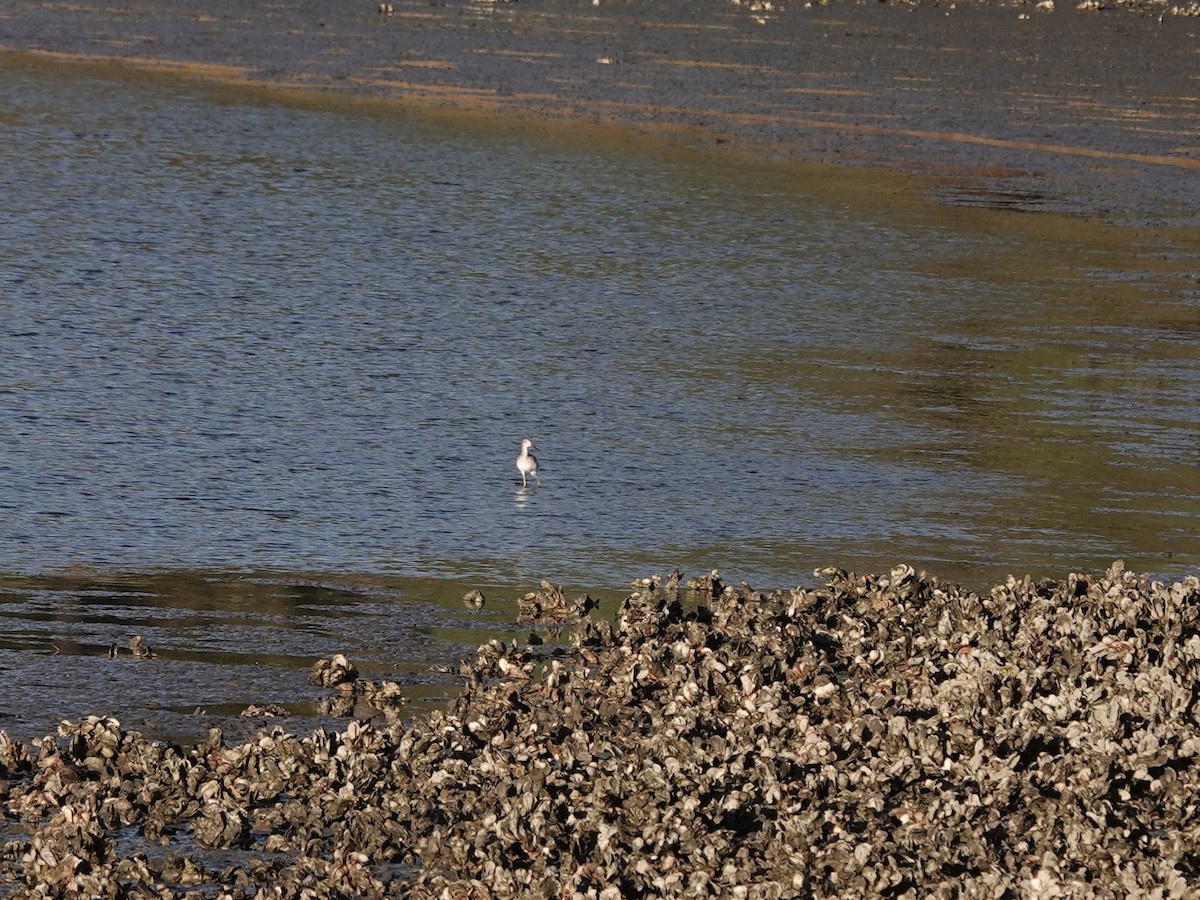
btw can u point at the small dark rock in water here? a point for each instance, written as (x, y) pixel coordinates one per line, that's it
(878, 736)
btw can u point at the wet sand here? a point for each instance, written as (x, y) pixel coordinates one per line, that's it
(1094, 112)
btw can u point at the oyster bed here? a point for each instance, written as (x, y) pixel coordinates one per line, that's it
(877, 736)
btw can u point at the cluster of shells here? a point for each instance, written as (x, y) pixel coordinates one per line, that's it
(341, 675)
(549, 605)
(878, 736)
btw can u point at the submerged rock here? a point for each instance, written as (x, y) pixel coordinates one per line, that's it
(876, 736)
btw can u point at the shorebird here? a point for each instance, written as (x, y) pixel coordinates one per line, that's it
(527, 462)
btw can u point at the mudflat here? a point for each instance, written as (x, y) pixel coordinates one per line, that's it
(1091, 109)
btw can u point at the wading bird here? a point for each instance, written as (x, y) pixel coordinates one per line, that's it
(527, 463)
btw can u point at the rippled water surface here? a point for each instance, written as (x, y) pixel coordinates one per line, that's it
(253, 351)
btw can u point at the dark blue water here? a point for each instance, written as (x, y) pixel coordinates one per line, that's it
(237, 336)
(264, 371)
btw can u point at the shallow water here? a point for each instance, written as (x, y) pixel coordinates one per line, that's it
(275, 348)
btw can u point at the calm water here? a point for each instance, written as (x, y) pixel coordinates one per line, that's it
(290, 351)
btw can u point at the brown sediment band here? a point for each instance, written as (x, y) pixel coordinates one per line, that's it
(668, 117)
